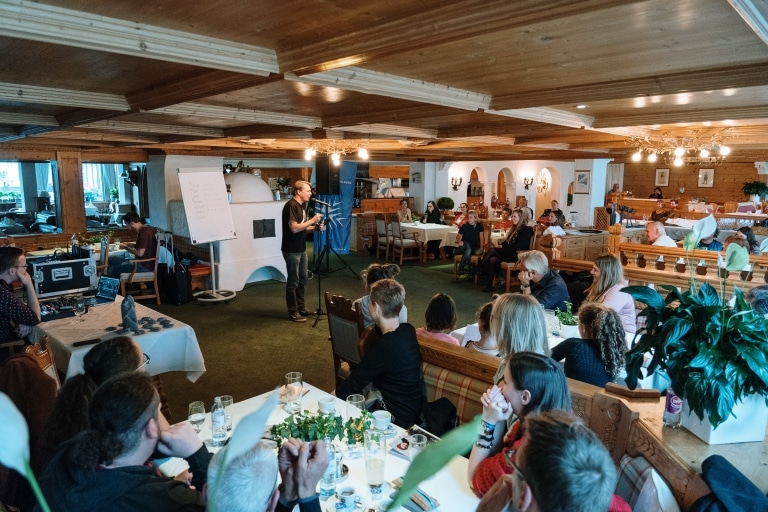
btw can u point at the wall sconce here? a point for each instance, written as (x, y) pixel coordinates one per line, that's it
(527, 182)
(456, 183)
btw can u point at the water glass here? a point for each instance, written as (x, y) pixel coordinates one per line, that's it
(227, 401)
(355, 404)
(80, 309)
(375, 453)
(197, 415)
(418, 443)
(293, 391)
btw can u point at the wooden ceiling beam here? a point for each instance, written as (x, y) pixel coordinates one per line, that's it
(690, 81)
(196, 87)
(451, 21)
(388, 116)
(682, 116)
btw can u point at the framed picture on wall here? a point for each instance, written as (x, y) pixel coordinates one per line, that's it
(706, 178)
(662, 178)
(581, 182)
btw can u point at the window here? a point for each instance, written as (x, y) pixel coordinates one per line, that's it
(110, 191)
(28, 197)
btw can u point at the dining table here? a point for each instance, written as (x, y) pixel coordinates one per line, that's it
(428, 232)
(171, 345)
(449, 486)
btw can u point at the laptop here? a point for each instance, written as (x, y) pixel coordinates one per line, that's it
(106, 291)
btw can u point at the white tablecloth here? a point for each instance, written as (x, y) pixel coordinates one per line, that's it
(173, 349)
(449, 486)
(428, 232)
(471, 332)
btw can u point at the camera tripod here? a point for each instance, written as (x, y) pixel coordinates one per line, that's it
(322, 266)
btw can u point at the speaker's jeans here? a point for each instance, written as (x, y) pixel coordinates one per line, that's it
(296, 267)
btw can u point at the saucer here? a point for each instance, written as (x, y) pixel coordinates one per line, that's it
(333, 504)
(388, 432)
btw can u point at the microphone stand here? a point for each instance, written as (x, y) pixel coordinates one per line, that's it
(321, 268)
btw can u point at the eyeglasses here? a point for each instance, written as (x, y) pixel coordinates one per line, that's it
(430, 206)
(144, 363)
(20, 266)
(509, 456)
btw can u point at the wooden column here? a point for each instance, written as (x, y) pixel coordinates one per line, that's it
(71, 197)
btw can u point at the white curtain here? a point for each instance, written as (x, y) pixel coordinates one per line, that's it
(615, 174)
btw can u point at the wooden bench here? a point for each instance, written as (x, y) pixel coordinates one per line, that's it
(625, 424)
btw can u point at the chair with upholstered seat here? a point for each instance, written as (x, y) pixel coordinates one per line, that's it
(383, 236)
(135, 283)
(730, 206)
(404, 244)
(345, 323)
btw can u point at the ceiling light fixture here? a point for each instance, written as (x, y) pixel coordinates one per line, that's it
(336, 149)
(695, 148)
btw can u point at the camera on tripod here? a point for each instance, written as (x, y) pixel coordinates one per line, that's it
(626, 209)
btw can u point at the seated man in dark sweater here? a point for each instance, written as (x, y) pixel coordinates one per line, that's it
(544, 284)
(104, 468)
(393, 363)
(470, 239)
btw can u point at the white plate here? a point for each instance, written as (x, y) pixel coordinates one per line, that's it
(389, 432)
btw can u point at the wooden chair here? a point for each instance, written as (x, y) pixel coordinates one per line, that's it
(345, 323)
(383, 240)
(141, 279)
(405, 244)
(101, 267)
(367, 230)
(730, 206)
(514, 266)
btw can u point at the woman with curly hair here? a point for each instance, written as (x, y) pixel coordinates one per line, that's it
(607, 282)
(518, 239)
(69, 415)
(597, 357)
(374, 273)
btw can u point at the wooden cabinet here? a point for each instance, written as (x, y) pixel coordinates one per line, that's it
(581, 246)
(383, 205)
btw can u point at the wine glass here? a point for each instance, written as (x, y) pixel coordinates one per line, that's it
(80, 308)
(197, 415)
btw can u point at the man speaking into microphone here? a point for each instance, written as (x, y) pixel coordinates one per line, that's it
(294, 248)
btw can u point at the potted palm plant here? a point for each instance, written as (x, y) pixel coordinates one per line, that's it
(714, 353)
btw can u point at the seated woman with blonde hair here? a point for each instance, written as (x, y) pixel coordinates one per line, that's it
(518, 325)
(607, 282)
(440, 319)
(597, 357)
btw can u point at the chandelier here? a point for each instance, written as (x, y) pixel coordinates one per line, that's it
(695, 149)
(335, 149)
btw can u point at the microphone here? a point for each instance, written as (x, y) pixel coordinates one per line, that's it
(320, 202)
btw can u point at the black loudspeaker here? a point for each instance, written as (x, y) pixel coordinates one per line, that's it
(327, 176)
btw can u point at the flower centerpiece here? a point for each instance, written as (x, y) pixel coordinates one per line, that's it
(714, 353)
(568, 321)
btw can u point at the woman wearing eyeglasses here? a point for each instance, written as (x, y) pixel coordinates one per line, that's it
(432, 216)
(532, 383)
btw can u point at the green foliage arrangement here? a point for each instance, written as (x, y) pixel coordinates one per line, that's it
(311, 427)
(444, 203)
(567, 317)
(715, 354)
(755, 187)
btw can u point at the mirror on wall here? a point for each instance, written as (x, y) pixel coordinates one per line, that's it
(29, 197)
(110, 191)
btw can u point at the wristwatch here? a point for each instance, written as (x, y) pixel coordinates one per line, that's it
(524, 286)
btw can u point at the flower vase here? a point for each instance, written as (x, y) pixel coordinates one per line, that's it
(569, 331)
(748, 425)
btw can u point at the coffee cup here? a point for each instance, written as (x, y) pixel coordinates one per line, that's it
(382, 420)
(347, 497)
(327, 405)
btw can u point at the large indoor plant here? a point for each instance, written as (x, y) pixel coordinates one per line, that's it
(755, 188)
(445, 204)
(715, 354)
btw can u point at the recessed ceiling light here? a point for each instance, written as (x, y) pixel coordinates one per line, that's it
(581, 105)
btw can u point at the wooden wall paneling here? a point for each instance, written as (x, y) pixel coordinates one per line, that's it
(71, 197)
(729, 178)
(389, 171)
